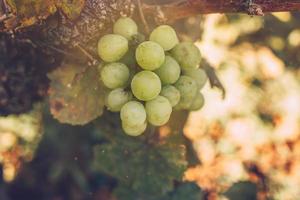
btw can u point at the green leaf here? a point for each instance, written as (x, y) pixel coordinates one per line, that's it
(142, 166)
(76, 95)
(188, 191)
(125, 193)
(29, 12)
(242, 191)
(71, 9)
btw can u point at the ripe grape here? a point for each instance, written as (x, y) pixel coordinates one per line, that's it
(145, 85)
(198, 102)
(188, 90)
(165, 36)
(150, 55)
(134, 130)
(171, 93)
(115, 75)
(117, 98)
(187, 55)
(169, 72)
(198, 75)
(158, 111)
(133, 113)
(126, 27)
(112, 47)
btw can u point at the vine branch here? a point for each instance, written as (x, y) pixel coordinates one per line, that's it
(184, 8)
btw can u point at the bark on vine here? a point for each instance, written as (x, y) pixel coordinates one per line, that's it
(178, 9)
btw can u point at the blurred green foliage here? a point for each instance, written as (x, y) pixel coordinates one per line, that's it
(78, 162)
(242, 190)
(148, 168)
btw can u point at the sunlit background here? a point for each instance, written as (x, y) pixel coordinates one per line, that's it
(19, 137)
(253, 134)
(257, 125)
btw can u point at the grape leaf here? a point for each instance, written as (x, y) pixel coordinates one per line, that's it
(76, 95)
(188, 191)
(144, 167)
(29, 12)
(71, 9)
(123, 192)
(242, 191)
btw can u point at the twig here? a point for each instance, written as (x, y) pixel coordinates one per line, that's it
(213, 78)
(87, 54)
(142, 16)
(54, 48)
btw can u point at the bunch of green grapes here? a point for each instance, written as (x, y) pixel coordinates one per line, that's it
(148, 80)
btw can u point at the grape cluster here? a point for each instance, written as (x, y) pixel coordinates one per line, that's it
(146, 81)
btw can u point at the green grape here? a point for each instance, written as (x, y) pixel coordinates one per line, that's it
(158, 111)
(150, 55)
(115, 75)
(117, 98)
(178, 107)
(187, 55)
(169, 72)
(145, 85)
(171, 93)
(126, 27)
(133, 113)
(165, 36)
(188, 90)
(198, 102)
(134, 130)
(112, 48)
(198, 75)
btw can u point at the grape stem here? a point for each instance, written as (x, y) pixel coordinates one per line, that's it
(213, 78)
(142, 16)
(87, 54)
